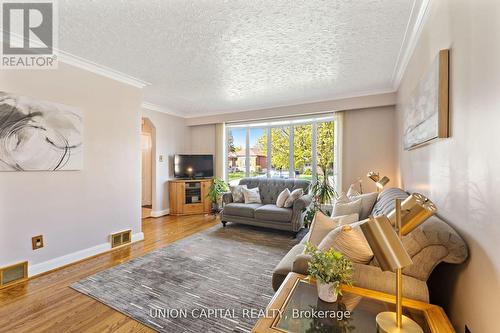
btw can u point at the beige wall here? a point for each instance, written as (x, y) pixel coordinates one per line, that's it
(75, 211)
(460, 174)
(202, 139)
(171, 137)
(369, 145)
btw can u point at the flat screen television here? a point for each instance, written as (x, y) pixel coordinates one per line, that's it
(193, 166)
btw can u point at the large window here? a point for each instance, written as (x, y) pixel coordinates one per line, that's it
(297, 148)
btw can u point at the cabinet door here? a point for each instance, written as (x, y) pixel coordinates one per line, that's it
(177, 198)
(207, 204)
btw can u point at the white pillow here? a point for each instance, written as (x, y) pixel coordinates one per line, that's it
(293, 196)
(280, 201)
(251, 195)
(237, 193)
(351, 192)
(323, 224)
(350, 241)
(367, 202)
(348, 208)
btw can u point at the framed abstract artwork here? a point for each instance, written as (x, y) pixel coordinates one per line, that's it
(37, 135)
(426, 115)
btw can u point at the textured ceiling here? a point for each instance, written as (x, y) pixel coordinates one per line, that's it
(214, 56)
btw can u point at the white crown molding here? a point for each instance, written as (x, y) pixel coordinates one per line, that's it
(88, 65)
(75, 256)
(159, 108)
(93, 67)
(418, 17)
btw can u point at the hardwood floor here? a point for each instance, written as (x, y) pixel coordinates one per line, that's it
(47, 303)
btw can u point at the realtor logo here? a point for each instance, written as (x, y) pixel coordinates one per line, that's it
(29, 34)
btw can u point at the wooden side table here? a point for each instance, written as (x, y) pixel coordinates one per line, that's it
(296, 308)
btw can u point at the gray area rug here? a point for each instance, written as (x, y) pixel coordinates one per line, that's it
(174, 288)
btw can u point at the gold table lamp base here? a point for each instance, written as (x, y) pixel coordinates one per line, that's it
(386, 323)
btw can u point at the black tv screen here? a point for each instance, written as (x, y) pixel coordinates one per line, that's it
(193, 166)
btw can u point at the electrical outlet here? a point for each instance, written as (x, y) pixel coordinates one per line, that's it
(37, 242)
(161, 158)
(467, 330)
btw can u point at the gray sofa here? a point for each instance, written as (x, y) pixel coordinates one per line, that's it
(268, 214)
(431, 243)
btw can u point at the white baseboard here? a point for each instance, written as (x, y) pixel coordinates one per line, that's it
(75, 256)
(158, 213)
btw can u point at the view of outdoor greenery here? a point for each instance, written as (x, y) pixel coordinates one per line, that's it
(302, 151)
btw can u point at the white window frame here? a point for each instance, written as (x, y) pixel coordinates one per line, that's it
(337, 118)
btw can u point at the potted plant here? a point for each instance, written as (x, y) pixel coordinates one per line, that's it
(323, 193)
(215, 192)
(330, 269)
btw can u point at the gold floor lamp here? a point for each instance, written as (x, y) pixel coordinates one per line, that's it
(391, 255)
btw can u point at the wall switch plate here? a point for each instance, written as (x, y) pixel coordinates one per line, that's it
(37, 242)
(161, 158)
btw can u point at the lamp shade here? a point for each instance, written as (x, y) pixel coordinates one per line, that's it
(385, 243)
(382, 182)
(373, 176)
(414, 211)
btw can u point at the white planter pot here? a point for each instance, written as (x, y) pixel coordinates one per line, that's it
(326, 291)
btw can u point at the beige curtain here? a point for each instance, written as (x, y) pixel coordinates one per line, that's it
(338, 144)
(220, 134)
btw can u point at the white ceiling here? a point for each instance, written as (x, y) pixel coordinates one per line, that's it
(214, 56)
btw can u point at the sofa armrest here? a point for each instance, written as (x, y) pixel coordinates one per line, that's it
(301, 263)
(227, 198)
(298, 208)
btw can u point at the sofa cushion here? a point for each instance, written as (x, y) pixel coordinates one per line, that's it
(353, 207)
(237, 192)
(241, 209)
(386, 201)
(273, 213)
(280, 202)
(370, 277)
(367, 202)
(251, 195)
(297, 193)
(323, 224)
(270, 188)
(285, 265)
(350, 241)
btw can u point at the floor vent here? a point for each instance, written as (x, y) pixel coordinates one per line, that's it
(121, 238)
(13, 274)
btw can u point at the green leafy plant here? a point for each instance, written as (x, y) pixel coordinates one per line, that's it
(323, 192)
(329, 266)
(216, 190)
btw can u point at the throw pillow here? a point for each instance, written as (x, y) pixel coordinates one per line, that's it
(237, 192)
(251, 195)
(323, 224)
(280, 201)
(347, 208)
(367, 202)
(293, 196)
(351, 192)
(350, 241)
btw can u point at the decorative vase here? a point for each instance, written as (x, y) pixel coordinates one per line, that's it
(327, 292)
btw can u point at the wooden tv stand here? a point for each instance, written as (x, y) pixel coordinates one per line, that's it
(189, 196)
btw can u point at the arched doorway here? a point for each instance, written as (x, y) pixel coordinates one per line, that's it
(147, 166)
